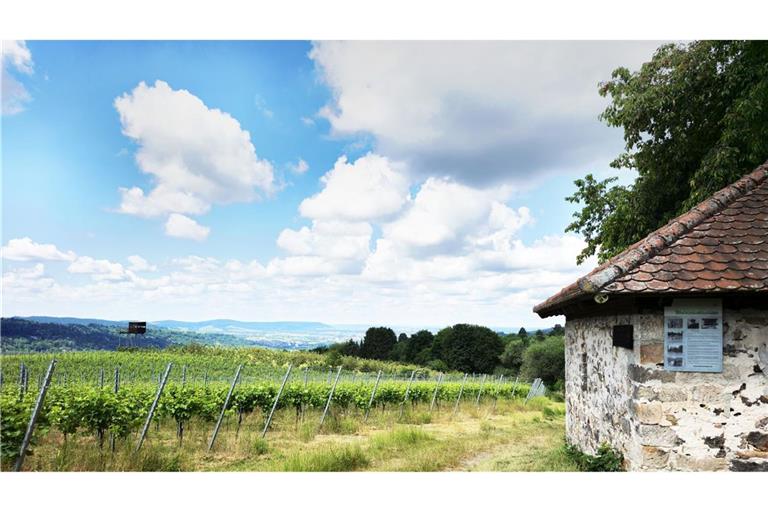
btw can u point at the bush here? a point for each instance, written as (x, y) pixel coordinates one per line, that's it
(606, 460)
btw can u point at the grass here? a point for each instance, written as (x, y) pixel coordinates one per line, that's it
(330, 458)
(510, 436)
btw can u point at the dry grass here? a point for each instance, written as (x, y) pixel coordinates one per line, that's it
(509, 436)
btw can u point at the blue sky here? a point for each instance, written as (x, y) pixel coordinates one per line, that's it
(345, 182)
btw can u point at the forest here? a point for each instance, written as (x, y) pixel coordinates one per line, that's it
(466, 348)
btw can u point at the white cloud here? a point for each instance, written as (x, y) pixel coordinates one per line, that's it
(370, 188)
(335, 240)
(15, 56)
(299, 167)
(308, 266)
(308, 121)
(139, 264)
(181, 226)
(160, 200)
(443, 212)
(25, 280)
(24, 249)
(97, 269)
(481, 112)
(197, 156)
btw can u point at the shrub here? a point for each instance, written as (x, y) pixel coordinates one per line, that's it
(259, 447)
(606, 459)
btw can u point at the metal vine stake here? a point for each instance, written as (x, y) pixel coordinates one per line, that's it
(33, 419)
(373, 394)
(151, 413)
(274, 405)
(330, 397)
(224, 408)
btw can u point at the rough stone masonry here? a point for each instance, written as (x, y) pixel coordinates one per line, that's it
(669, 420)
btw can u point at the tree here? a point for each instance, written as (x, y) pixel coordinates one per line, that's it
(469, 348)
(539, 335)
(558, 330)
(522, 333)
(378, 343)
(546, 360)
(419, 347)
(349, 348)
(398, 352)
(512, 357)
(694, 120)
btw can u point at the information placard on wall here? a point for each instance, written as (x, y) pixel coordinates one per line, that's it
(693, 335)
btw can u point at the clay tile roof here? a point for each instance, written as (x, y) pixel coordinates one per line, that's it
(721, 245)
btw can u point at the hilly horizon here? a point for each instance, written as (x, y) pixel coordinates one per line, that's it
(230, 324)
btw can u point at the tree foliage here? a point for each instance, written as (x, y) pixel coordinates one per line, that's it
(378, 343)
(695, 119)
(546, 360)
(419, 347)
(469, 348)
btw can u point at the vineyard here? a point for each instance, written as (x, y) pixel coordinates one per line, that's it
(109, 399)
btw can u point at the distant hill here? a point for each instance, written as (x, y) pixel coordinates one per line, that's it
(47, 333)
(23, 335)
(43, 333)
(224, 324)
(68, 320)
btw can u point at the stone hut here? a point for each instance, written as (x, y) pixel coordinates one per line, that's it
(666, 344)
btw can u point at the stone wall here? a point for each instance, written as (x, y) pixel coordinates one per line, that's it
(669, 420)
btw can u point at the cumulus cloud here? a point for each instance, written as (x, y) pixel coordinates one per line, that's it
(181, 226)
(338, 241)
(16, 58)
(197, 156)
(481, 112)
(444, 212)
(25, 249)
(139, 264)
(27, 280)
(97, 269)
(327, 247)
(371, 187)
(160, 201)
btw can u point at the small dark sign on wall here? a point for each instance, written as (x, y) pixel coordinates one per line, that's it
(137, 327)
(624, 336)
